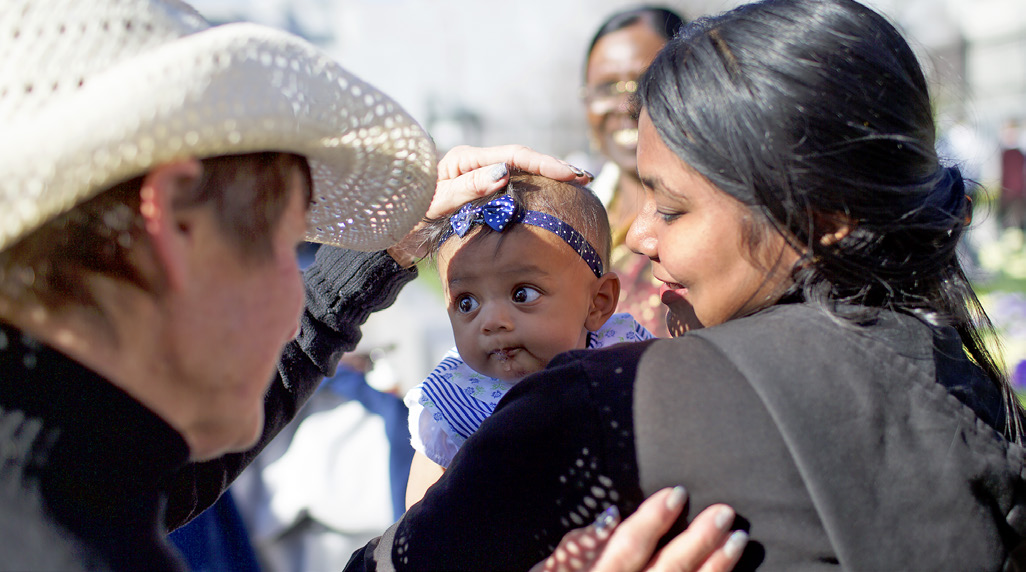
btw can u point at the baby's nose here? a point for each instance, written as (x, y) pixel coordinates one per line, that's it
(495, 318)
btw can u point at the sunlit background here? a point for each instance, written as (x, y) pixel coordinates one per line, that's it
(487, 72)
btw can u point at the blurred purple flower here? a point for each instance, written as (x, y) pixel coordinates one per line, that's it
(1019, 375)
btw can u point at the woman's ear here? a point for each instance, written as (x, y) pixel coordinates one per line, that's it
(166, 228)
(604, 297)
(832, 227)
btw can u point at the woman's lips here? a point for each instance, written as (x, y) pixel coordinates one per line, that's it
(671, 292)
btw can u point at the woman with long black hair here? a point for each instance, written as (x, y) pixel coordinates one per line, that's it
(833, 388)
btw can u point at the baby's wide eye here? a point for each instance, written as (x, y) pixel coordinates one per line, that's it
(525, 294)
(466, 304)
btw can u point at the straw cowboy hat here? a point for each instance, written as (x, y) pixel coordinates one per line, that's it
(95, 93)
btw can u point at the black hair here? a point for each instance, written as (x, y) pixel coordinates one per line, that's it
(816, 114)
(662, 21)
(574, 204)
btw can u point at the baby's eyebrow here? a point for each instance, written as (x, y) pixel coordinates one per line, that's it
(527, 270)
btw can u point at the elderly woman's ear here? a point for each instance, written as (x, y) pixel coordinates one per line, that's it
(169, 229)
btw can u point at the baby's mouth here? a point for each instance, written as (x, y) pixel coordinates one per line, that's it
(504, 354)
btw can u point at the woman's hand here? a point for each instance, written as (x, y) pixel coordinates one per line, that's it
(466, 173)
(707, 545)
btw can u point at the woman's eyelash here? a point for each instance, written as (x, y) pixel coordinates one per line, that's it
(669, 216)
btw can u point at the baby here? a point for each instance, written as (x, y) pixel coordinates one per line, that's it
(522, 271)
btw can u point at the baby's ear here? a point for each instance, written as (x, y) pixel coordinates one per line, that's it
(604, 296)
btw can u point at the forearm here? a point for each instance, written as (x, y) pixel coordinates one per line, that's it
(342, 288)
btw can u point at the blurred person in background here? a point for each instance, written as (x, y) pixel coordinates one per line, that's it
(1013, 177)
(619, 53)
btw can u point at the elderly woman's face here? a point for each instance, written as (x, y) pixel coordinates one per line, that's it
(694, 234)
(244, 312)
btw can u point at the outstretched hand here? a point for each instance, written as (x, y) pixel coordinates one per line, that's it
(707, 545)
(466, 173)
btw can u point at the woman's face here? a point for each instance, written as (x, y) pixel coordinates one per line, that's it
(614, 66)
(242, 313)
(694, 234)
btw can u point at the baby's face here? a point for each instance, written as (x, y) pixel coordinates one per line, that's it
(517, 302)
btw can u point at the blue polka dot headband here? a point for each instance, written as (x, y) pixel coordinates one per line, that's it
(500, 212)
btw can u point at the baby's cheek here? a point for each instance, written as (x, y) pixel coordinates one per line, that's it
(469, 352)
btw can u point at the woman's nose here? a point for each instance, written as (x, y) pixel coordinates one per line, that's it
(640, 236)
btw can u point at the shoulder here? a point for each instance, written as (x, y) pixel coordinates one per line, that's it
(854, 406)
(800, 342)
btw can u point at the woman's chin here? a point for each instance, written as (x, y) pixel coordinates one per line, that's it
(681, 317)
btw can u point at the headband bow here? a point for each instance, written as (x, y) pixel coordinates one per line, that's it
(496, 213)
(500, 211)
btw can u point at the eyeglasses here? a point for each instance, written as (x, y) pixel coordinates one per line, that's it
(605, 97)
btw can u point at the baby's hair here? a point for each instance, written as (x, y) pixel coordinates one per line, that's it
(574, 204)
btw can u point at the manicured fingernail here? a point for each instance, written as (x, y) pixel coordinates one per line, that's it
(498, 171)
(608, 519)
(576, 171)
(676, 498)
(724, 518)
(589, 175)
(735, 544)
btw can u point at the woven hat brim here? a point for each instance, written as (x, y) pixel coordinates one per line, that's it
(230, 89)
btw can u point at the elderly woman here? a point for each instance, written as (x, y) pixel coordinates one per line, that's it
(156, 177)
(834, 388)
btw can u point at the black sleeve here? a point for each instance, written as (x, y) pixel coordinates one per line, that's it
(343, 288)
(557, 452)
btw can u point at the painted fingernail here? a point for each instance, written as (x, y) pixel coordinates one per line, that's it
(724, 518)
(676, 498)
(608, 519)
(589, 175)
(735, 544)
(498, 171)
(576, 171)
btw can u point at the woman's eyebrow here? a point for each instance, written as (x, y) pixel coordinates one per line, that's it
(656, 185)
